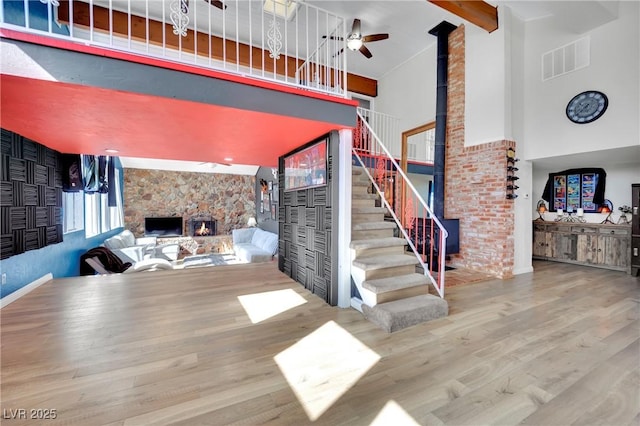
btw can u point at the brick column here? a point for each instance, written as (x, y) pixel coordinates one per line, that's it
(475, 186)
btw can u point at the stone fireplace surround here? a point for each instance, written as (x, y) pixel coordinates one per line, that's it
(229, 200)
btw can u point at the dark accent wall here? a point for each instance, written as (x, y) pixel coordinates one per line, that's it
(264, 216)
(30, 195)
(308, 230)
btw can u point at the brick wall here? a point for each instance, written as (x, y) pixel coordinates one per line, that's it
(229, 199)
(475, 183)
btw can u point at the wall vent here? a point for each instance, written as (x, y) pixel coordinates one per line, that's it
(566, 59)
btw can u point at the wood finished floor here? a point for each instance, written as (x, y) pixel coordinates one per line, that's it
(556, 347)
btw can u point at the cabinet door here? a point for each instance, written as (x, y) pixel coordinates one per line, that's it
(541, 240)
(613, 247)
(587, 249)
(564, 246)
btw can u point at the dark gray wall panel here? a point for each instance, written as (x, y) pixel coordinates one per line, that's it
(308, 231)
(30, 196)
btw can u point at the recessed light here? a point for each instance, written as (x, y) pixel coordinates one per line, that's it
(111, 150)
(228, 159)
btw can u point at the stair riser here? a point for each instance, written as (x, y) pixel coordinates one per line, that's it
(391, 271)
(363, 202)
(371, 233)
(401, 294)
(367, 217)
(362, 253)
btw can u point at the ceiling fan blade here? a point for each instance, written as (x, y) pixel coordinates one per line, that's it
(334, 38)
(374, 37)
(355, 29)
(363, 49)
(217, 3)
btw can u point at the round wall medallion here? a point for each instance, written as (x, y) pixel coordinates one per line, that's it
(587, 106)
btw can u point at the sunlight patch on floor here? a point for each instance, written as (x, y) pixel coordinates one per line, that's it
(324, 365)
(262, 306)
(392, 413)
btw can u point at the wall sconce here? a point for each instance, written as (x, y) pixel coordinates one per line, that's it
(541, 208)
(606, 207)
(251, 223)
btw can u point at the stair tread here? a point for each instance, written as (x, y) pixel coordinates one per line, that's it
(377, 243)
(368, 226)
(384, 261)
(360, 183)
(403, 313)
(383, 285)
(361, 210)
(356, 170)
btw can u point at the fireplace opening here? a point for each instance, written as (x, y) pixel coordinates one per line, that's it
(202, 227)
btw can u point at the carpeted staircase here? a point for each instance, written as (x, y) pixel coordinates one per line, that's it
(393, 295)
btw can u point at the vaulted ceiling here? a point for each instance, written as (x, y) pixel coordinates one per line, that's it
(147, 126)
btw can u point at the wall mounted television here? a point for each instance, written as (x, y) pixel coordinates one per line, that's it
(163, 226)
(307, 167)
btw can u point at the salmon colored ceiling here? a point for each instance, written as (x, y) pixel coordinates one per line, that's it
(80, 119)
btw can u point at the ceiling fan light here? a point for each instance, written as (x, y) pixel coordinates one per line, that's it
(354, 43)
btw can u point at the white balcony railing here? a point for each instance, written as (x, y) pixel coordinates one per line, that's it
(284, 41)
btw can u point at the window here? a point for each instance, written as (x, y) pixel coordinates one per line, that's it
(99, 217)
(73, 212)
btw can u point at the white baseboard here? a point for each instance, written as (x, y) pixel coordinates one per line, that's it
(356, 304)
(524, 270)
(24, 290)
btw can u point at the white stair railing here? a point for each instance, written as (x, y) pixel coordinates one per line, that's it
(259, 39)
(425, 234)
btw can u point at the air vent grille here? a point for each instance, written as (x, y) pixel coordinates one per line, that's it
(566, 59)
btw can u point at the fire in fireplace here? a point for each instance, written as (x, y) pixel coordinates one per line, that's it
(199, 227)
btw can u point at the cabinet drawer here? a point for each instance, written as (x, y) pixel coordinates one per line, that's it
(539, 227)
(616, 232)
(583, 230)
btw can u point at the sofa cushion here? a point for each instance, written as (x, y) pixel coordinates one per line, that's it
(122, 240)
(114, 243)
(248, 252)
(128, 238)
(243, 235)
(267, 241)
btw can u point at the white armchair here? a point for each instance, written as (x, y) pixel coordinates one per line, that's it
(131, 249)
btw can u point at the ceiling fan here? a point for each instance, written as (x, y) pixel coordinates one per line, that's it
(356, 41)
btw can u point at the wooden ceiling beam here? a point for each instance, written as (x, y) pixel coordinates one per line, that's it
(477, 12)
(244, 55)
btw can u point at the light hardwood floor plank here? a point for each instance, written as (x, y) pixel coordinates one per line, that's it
(557, 346)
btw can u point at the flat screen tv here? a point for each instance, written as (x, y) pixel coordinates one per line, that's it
(306, 168)
(163, 226)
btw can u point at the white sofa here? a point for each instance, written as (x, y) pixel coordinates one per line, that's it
(254, 244)
(131, 249)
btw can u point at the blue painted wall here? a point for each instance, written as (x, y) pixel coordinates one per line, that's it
(62, 259)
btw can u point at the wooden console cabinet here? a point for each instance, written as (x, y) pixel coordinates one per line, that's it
(590, 244)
